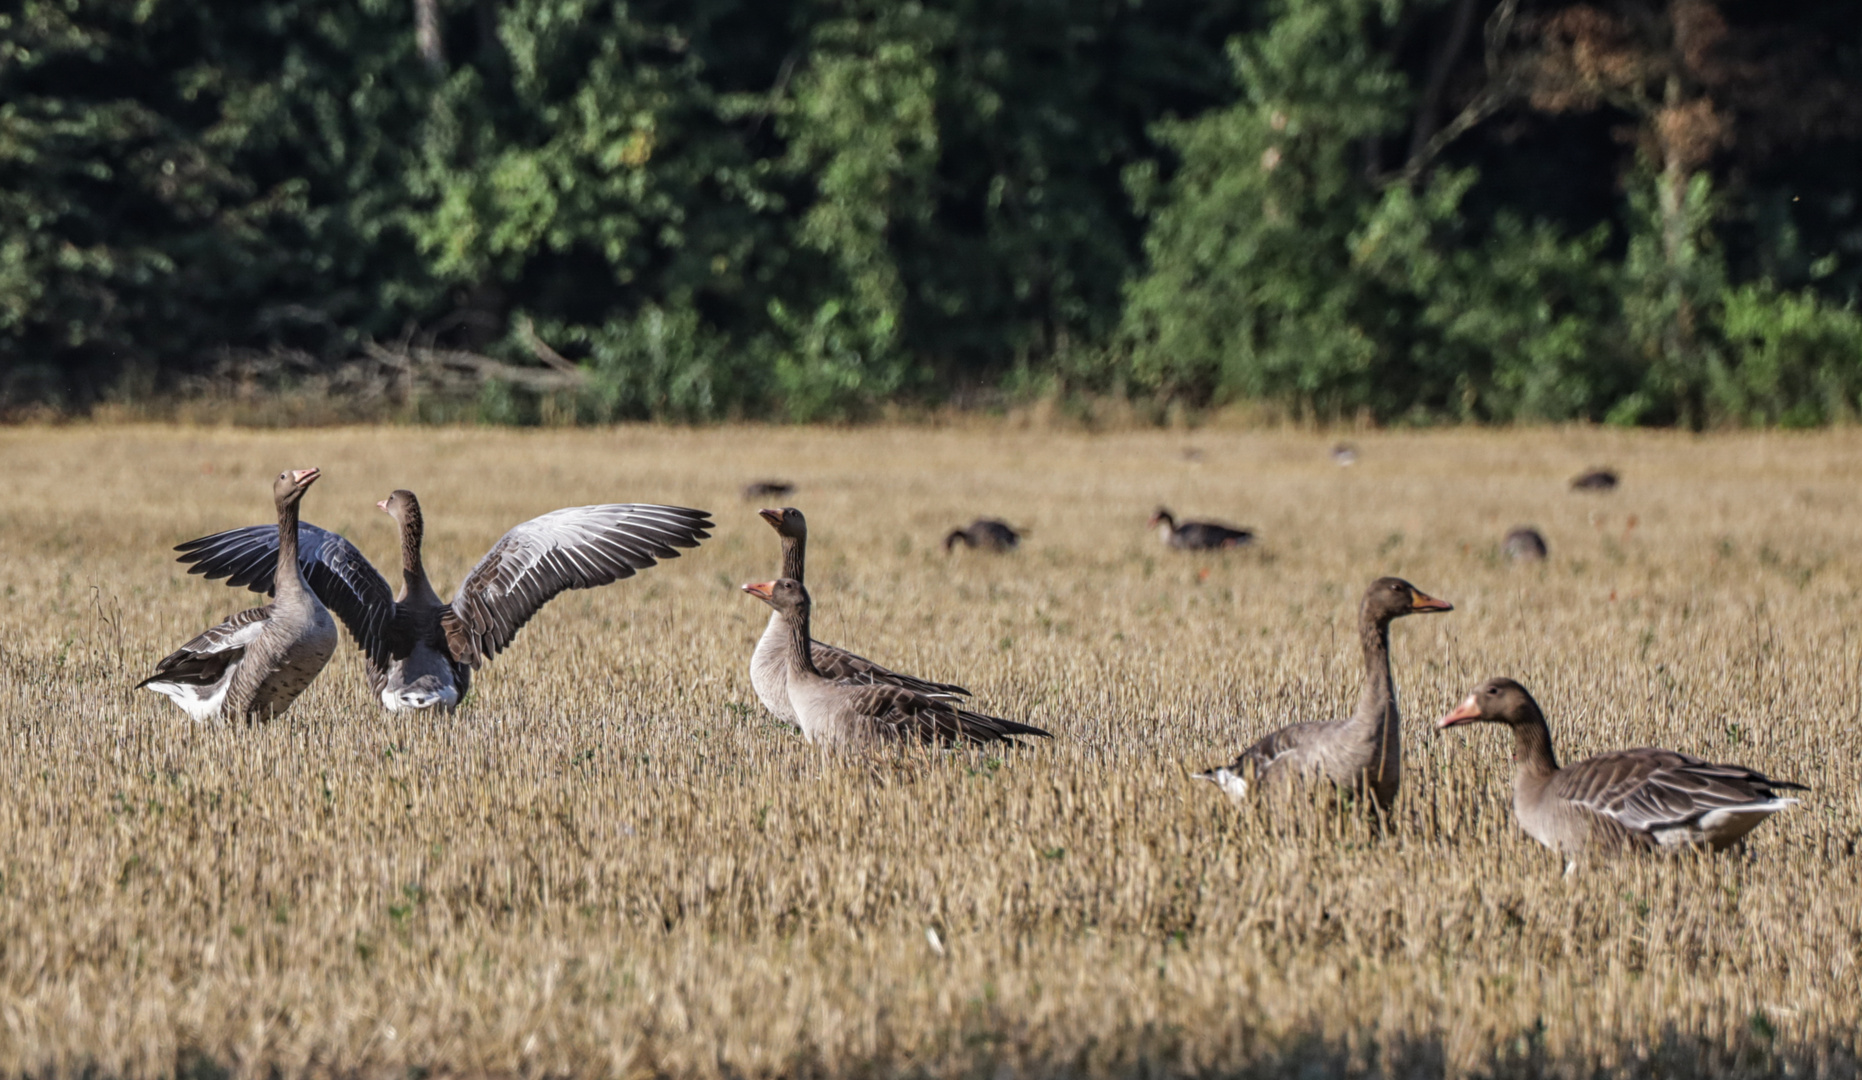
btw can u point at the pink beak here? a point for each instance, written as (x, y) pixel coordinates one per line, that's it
(762, 590)
(1464, 713)
(382, 506)
(305, 476)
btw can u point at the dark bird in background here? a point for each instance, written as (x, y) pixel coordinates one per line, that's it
(1595, 480)
(1197, 535)
(767, 489)
(989, 534)
(1524, 544)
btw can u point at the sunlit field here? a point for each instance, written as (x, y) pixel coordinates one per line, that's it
(612, 862)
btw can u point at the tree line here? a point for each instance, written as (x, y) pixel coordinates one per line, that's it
(1633, 211)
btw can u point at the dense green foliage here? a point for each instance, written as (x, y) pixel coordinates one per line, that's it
(1409, 209)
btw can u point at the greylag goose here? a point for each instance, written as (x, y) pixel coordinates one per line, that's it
(1364, 750)
(1344, 454)
(1629, 799)
(860, 710)
(769, 667)
(767, 489)
(986, 533)
(1595, 480)
(1524, 544)
(1197, 535)
(422, 650)
(255, 664)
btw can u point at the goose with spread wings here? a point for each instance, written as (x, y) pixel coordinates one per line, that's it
(253, 665)
(422, 650)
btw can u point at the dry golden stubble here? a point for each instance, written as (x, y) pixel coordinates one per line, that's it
(614, 862)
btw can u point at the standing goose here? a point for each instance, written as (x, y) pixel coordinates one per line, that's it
(986, 533)
(769, 666)
(255, 664)
(1628, 799)
(1364, 750)
(861, 710)
(1197, 535)
(422, 650)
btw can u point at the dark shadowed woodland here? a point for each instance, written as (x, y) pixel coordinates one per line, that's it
(554, 211)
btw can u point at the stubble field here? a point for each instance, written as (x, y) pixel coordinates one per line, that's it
(613, 863)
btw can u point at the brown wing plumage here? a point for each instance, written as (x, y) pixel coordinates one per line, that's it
(578, 548)
(903, 715)
(837, 663)
(205, 657)
(1277, 752)
(1646, 791)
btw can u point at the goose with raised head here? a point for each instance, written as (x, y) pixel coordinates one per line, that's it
(422, 650)
(255, 664)
(769, 669)
(860, 710)
(987, 534)
(1364, 751)
(1197, 535)
(1623, 800)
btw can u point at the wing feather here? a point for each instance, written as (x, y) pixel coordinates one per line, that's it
(340, 576)
(582, 547)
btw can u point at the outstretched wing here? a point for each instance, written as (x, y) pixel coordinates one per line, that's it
(578, 548)
(907, 716)
(837, 663)
(346, 582)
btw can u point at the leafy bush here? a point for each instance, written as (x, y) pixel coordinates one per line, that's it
(1794, 359)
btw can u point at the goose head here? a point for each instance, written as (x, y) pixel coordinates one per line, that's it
(1392, 598)
(400, 505)
(784, 594)
(787, 521)
(292, 484)
(1496, 701)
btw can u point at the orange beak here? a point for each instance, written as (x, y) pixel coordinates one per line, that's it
(305, 476)
(762, 590)
(1422, 601)
(1466, 712)
(774, 517)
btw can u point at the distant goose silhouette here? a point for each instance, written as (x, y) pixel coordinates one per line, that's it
(1524, 544)
(988, 534)
(1197, 535)
(1595, 480)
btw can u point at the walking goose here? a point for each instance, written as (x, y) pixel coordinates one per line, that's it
(255, 664)
(860, 710)
(769, 667)
(1628, 799)
(986, 533)
(1197, 535)
(422, 650)
(1364, 750)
